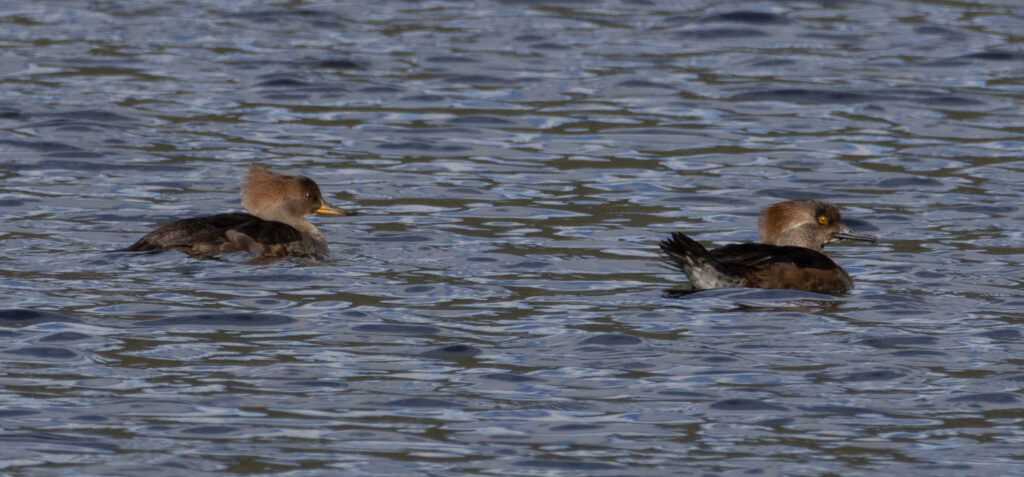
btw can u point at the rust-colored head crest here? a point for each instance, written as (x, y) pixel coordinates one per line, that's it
(262, 189)
(803, 223)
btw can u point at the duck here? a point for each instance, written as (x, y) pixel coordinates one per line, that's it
(275, 225)
(791, 256)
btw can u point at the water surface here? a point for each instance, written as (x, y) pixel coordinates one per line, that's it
(498, 305)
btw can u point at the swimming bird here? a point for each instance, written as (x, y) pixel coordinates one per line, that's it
(793, 235)
(275, 227)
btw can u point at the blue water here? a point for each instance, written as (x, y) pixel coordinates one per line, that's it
(497, 306)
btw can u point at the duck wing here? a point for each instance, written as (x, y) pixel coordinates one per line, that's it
(773, 266)
(217, 234)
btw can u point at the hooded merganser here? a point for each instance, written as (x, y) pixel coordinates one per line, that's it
(793, 233)
(277, 226)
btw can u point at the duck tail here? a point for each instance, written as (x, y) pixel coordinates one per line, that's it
(704, 270)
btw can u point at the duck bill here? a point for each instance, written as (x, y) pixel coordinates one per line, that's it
(846, 234)
(327, 209)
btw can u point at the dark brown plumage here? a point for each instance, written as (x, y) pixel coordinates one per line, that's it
(276, 227)
(794, 233)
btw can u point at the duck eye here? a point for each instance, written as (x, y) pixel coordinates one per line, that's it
(822, 220)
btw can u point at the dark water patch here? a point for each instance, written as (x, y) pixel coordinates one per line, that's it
(450, 59)
(945, 63)
(718, 359)
(440, 131)
(697, 199)
(529, 37)
(909, 182)
(77, 155)
(1003, 335)
(784, 194)
(990, 398)
(890, 218)
(880, 375)
(95, 115)
(421, 402)
(426, 98)
(839, 410)
(381, 89)
(747, 16)
(773, 63)
(577, 427)
(644, 84)
(355, 314)
(680, 19)
(510, 378)
(479, 80)
(996, 55)
(209, 430)
(22, 317)
(321, 18)
(42, 146)
(544, 2)
(986, 209)
(419, 289)
(222, 320)
(454, 351)
(105, 165)
(287, 82)
(721, 34)
(550, 46)
(804, 95)
(397, 329)
(568, 465)
(533, 264)
(13, 114)
(16, 202)
(563, 405)
(12, 413)
(686, 394)
(89, 418)
(859, 225)
(273, 278)
(740, 404)
(48, 353)
(480, 119)
(777, 422)
(64, 336)
(397, 237)
(907, 353)
(936, 30)
(774, 297)
(421, 146)
(317, 384)
(638, 365)
(612, 339)
(463, 190)
(52, 440)
(951, 101)
(834, 37)
(896, 341)
(340, 64)
(753, 297)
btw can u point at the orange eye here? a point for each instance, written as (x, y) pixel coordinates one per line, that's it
(822, 220)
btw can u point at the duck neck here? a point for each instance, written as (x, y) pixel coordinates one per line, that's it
(799, 237)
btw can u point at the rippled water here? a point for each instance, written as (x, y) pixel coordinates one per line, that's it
(498, 307)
